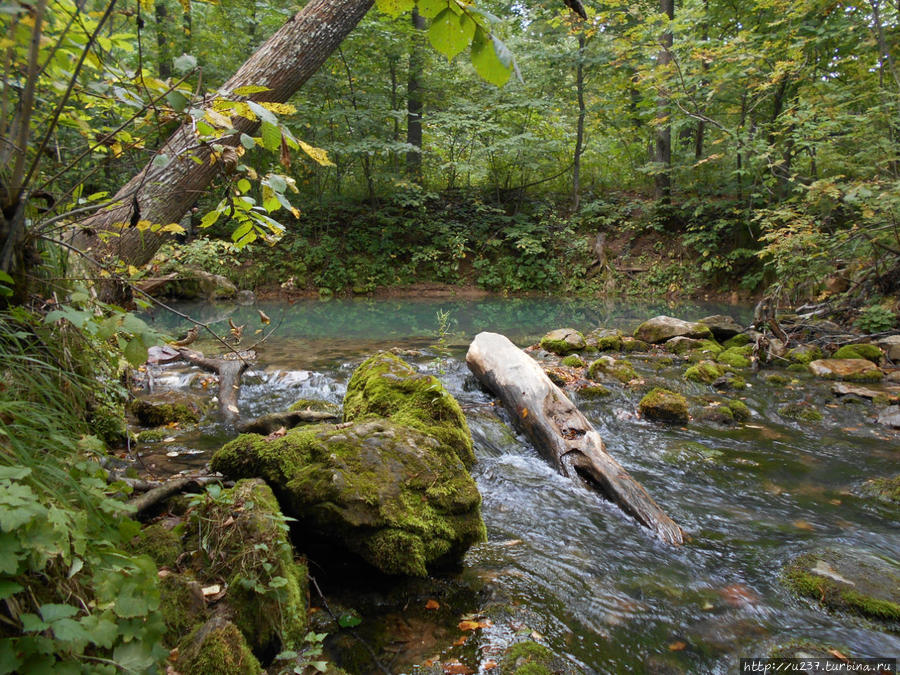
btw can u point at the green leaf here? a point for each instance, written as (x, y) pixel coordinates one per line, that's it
(271, 136)
(241, 231)
(135, 352)
(5, 278)
(394, 7)
(31, 623)
(103, 631)
(8, 588)
(53, 612)
(69, 630)
(210, 219)
(244, 185)
(134, 657)
(491, 59)
(451, 33)
(184, 63)
(178, 101)
(348, 620)
(9, 661)
(14, 472)
(161, 161)
(248, 141)
(431, 8)
(277, 183)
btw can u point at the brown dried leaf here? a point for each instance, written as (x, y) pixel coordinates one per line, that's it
(432, 604)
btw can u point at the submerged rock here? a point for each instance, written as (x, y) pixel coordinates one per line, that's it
(391, 494)
(891, 346)
(705, 372)
(604, 340)
(150, 414)
(736, 357)
(386, 387)
(662, 328)
(563, 341)
(853, 370)
(800, 411)
(886, 490)
(804, 354)
(663, 405)
(848, 580)
(619, 369)
(890, 417)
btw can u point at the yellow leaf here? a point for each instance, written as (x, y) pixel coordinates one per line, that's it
(174, 228)
(468, 625)
(143, 225)
(279, 108)
(319, 155)
(217, 119)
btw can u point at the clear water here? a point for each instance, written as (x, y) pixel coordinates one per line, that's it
(563, 565)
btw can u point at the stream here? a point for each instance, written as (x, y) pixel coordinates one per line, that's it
(561, 565)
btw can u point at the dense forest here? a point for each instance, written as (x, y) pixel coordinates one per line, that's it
(661, 150)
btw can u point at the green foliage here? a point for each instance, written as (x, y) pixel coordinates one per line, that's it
(73, 598)
(876, 319)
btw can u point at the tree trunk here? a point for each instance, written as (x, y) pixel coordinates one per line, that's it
(163, 53)
(560, 431)
(579, 127)
(414, 98)
(663, 154)
(162, 194)
(229, 372)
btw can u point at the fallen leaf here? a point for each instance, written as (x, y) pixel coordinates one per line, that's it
(677, 646)
(536, 636)
(510, 542)
(469, 625)
(461, 641)
(172, 454)
(836, 654)
(803, 525)
(490, 664)
(432, 604)
(738, 595)
(212, 590)
(278, 433)
(429, 662)
(836, 502)
(162, 574)
(228, 521)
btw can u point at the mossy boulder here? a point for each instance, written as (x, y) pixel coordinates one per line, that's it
(729, 382)
(161, 543)
(630, 344)
(593, 391)
(315, 405)
(718, 414)
(662, 328)
(663, 405)
(563, 341)
(267, 589)
(800, 411)
(181, 604)
(681, 345)
(851, 370)
(860, 351)
(777, 379)
(386, 387)
(886, 490)
(389, 493)
(734, 357)
(848, 580)
(217, 648)
(149, 414)
(738, 340)
(604, 340)
(618, 369)
(573, 361)
(528, 658)
(804, 354)
(705, 372)
(739, 409)
(722, 326)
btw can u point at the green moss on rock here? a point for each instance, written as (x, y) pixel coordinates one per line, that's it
(630, 344)
(734, 358)
(664, 406)
(563, 341)
(859, 351)
(152, 435)
(804, 354)
(619, 369)
(848, 580)
(386, 387)
(573, 361)
(158, 414)
(883, 489)
(777, 379)
(389, 493)
(800, 411)
(719, 414)
(217, 648)
(705, 372)
(528, 658)
(163, 545)
(739, 409)
(738, 340)
(181, 604)
(594, 391)
(315, 405)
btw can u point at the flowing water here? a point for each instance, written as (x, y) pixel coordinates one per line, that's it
(561, 565)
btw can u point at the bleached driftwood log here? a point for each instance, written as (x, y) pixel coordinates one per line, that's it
(229, 371)
(560, 431)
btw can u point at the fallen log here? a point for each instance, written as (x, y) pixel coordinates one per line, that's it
(229, 371)
(560, 431)
(266, 424)
(149, 500)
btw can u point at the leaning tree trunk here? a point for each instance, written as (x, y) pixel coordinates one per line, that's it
(560, 431)
(162, 194)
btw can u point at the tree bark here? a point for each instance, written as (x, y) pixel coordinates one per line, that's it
(663, 148)
(163, 52)
(560, 431)
(162, 194)
(414, 99)
(579, 125)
